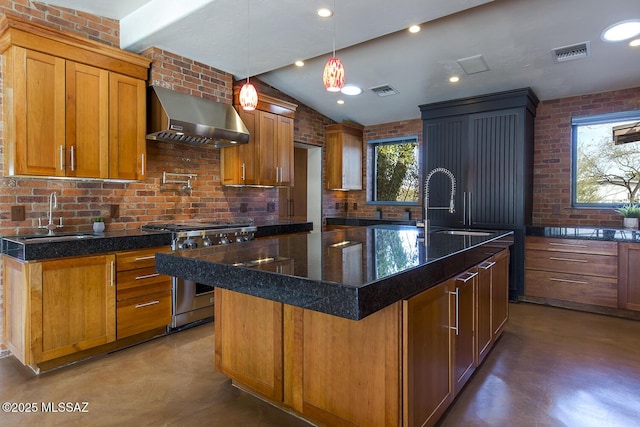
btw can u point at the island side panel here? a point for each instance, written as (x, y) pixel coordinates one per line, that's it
(249, 342)
(351, 370)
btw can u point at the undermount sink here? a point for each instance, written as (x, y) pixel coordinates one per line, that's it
(465, 232)
(55, 237)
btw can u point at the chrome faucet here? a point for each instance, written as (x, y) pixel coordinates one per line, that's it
(451, 206)
(53, 204)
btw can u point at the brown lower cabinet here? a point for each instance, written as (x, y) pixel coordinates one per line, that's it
(402, 365)
(58, 311)
(629, 276)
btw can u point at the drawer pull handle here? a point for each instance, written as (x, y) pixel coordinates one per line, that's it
(144, 258)
(147, 276)
(487, 265)
(146, 304)
(466, 279)
(567, 259)
(572, 245)
(457, 294)
(579, 282)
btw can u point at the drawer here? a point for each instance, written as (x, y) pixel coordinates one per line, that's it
(574, 263)
(141, 281)
(139, 258)
(594, 290)
(136, 315)
(594, 247)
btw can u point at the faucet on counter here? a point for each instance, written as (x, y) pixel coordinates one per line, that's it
(53, 204)
(451, 206)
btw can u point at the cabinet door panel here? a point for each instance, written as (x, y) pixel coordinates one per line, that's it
(464, 360)
(87, 121)
(426, 356)
(37, 131)
(496, 176)
(629, 280)
(447, 146)
(127, 126)
(268, 140)
(78, 306)
(284, 153)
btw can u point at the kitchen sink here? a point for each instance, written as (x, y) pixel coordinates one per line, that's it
(466, 232)
(54, 237)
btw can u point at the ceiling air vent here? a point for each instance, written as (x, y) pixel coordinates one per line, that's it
(569, 53)
(384, 90)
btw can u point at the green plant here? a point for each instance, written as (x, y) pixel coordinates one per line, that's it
(629, 211)
(98, 219)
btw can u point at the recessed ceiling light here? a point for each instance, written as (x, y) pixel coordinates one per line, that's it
(340, 101)
(634, 43)
(324, 12)
(299, 63)
(414, 29)
(621, 31)
(454, 79)
(351, 90)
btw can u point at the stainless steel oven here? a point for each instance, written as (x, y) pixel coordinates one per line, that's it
(193, 302)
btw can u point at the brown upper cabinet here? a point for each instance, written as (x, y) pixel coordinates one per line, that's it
(344, 156)
(268, 157)
(72, 107)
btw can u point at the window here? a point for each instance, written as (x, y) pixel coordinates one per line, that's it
(605, 174)
(395, 171)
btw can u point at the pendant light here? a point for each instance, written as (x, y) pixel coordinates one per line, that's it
(248, 93)
(333, 76)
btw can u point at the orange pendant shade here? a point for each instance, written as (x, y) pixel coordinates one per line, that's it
(333, 76)
(248, 97)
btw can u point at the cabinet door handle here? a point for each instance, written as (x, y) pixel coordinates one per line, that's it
(456, 328)
(487, 265)
(470, 209)
(468, 277)
(579, 282)
(62, 162)
(142, 166)
(146, 304)
(277, 174)
(112, 269)
(144, 258)
(552, 258)
(147, 276)
(242, 167)
(464, 208)
(572, 245)
(73, 157)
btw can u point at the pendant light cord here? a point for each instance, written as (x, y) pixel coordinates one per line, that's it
(334, 28)
(248, 33)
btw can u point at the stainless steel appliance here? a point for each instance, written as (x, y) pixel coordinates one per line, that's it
(193, 302)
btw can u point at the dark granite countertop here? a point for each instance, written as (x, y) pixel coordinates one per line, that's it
(281, 226)
(350, 273)
(110, 241)
(586, 233)
(363, 222)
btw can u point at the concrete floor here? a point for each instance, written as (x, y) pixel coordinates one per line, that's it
(552, 367)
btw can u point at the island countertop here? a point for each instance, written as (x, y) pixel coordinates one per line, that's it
(349, 273)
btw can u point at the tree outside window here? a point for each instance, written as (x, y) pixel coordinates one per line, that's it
(395, 170)
(605, 174)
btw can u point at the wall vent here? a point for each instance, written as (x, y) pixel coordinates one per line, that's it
(569, 53)
(383, 90)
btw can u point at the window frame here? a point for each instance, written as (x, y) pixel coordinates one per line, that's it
(593, 119)
(408, 139)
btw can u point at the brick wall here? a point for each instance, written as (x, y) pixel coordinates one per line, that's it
(552, 158)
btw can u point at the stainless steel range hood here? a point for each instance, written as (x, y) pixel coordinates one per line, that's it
(177, 117)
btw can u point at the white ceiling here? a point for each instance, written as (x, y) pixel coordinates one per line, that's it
(515, 37)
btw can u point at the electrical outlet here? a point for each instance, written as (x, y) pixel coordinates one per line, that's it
(271, 206)
(244, 207)
(355, 206)
(17, 213)
(338, 205)
(114, 211)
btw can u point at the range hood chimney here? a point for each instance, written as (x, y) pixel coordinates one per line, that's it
(177, 117)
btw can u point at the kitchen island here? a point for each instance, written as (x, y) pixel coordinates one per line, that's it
(361, 326)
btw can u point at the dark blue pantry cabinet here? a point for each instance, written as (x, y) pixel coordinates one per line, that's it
(487, 142)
